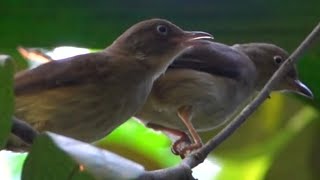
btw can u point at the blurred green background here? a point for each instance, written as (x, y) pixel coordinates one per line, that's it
(280, 140)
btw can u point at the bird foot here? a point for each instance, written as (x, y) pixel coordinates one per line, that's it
(181, 146)
(184, 146)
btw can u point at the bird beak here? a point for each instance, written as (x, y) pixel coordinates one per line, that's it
(298, 87)
(189, 37)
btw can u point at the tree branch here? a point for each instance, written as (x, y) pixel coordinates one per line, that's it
(259, 99)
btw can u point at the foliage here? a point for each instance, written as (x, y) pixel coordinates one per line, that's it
(6, 97)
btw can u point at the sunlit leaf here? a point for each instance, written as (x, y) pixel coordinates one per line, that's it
(133, 139)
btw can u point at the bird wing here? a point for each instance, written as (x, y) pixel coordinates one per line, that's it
(213, 58)
(71, 71)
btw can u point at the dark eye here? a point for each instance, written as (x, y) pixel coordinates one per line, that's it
(277, 59)
(163, 30)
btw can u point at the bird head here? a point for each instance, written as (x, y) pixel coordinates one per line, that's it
(267, 59)
(156, 42)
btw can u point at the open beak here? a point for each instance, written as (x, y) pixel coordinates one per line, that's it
(298, 87)
(190, 36)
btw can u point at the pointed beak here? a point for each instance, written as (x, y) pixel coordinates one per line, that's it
(197, 35)
(302, 89)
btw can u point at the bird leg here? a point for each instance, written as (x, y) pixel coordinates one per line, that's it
(179, 144)
(183, 145)
(184, 114)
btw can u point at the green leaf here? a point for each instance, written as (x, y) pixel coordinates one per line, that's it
(57, 157)
(6, 97)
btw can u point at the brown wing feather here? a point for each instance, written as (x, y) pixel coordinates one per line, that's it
(213, 58)
(66, 72)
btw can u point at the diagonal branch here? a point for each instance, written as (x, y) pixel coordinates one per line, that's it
(258, 100)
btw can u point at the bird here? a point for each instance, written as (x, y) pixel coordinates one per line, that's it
(87, 96)
(205, 86)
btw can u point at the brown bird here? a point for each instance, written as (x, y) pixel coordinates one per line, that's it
(87, 96)
(205, 86)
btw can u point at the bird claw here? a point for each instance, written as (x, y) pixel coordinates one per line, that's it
(189, 149)
(179, 145)
(183, 147)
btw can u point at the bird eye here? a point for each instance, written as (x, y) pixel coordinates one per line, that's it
(163, 30)
(277, 59)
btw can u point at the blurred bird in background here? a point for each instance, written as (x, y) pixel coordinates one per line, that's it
(204, 87)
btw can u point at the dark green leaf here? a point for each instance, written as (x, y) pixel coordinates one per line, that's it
(6, 97)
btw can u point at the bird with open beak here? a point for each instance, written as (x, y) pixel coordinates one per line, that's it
(87, 96)
(204, 87)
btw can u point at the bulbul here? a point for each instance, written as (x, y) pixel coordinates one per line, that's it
(206, 85)
(87, 96)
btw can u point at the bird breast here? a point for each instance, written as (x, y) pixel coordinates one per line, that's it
(212, 98)
(82, 112)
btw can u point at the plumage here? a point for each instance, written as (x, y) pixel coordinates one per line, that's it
(87, 96)
(206, 85)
